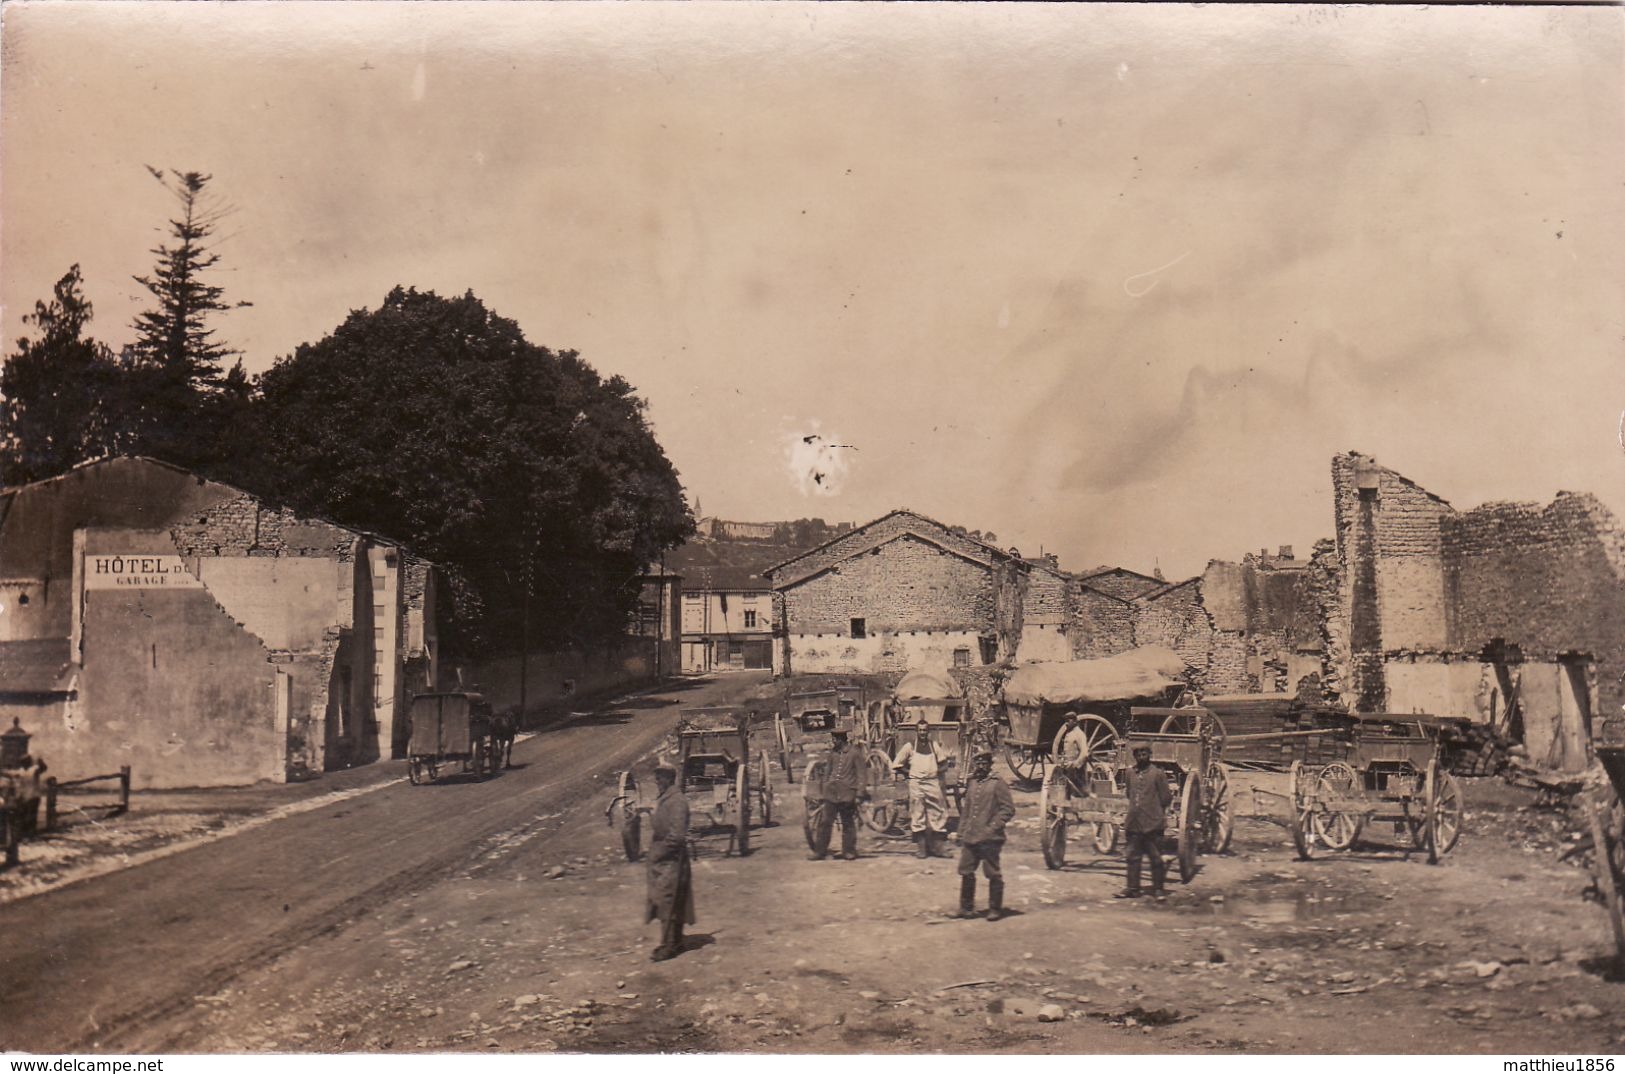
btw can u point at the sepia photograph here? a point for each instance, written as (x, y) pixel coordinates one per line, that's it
(812, 529)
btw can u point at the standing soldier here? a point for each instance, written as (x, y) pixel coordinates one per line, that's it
(671, 882)
(922, 763)
(1148, 798)
(843, 787)
(988, 808)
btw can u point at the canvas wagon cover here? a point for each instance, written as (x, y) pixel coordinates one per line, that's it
(439, 725)
(926, 684)
(1143, 672)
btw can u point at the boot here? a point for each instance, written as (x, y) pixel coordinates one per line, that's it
(967, 896)
(995, 900)
(920, 850)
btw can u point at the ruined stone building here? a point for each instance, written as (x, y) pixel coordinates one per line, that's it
(1456, 612)
(153, 618)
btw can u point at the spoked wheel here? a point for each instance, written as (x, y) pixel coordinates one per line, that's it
(1338, 830)
(764, 789)
(1198, 722)
(1052, 824)
(1443, 825)
(628, 822)
(1099, 737)
(784, 748)
(1218, 821)
(1025, 763)
(813, 782)
(1190, 822)
(417, 772)
(1299, 818)
(484, 763)
(879, 811)
(742, 810)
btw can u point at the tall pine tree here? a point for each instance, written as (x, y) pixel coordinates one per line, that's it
(179, 363)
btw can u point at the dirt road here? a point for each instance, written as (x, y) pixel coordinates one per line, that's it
(110, 963)
(528, 939)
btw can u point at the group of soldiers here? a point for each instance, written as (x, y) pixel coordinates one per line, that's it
(985, 810)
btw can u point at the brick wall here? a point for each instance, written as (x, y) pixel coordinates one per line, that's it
(877, 533)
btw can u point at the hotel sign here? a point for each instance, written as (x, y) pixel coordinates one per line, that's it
(112, 571)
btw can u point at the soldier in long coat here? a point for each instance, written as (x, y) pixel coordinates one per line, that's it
(671, 880)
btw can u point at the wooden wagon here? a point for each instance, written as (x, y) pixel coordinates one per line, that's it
(1037, 697)
(920, 695)
(1186, 744)
(453, 728)
(804, 726)
(1385, 769)
(726, 787)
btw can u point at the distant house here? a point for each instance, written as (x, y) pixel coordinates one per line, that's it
(906, 591)
(153, 618)
(727, 619)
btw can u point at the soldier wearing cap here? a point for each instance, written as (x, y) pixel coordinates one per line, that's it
(987, 809)
(671, 881)
(922, 764)
(843, 788)
(1148, 798)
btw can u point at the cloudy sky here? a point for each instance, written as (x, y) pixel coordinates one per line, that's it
(1113, 281)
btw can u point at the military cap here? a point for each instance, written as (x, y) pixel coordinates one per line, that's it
(666, 767)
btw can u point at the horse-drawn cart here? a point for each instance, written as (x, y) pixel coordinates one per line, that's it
(808, 718)
(725, 786)
(920, 695)
(1607, 822)
(1187, 745)
(1384, 769)
(450, 728)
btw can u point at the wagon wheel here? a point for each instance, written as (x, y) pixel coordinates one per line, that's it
(742, 809)
(1217, 816)
(784, 747)
(415, 771)
(485, 765)
(1337, 830)
(1196, 721)
(628, 822)
(1298, 816)
(813, 781)
(879, 811)
(1052, 798)
(1189, 823)
(1443, 825)
(1106, 833)
(1026, 764)
(764, 790)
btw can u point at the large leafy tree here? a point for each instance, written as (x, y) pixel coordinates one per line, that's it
(435, 421)
(58, 390)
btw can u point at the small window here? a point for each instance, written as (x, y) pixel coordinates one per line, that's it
(961, 658)
(750, 620)
(858, 630)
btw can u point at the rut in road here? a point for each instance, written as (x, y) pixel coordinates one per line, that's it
(158, 1024)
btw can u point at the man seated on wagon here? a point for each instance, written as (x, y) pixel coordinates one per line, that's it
(1074, 752)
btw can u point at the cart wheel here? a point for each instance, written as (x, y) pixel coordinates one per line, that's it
(628, 822)
(813, 784)
(1052, 798)
(764, 789)
(1443, 825)
(1298, 813)
(880, 810)
(483, 761)
(1189, 824)
(784, 748)
(1217, 816)
(1099, 736)
(415, 772)
(1338, 830)
(1196, 721)
(742, 809)
(1027, 765)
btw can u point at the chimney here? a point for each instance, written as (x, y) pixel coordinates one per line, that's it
(1286, 552)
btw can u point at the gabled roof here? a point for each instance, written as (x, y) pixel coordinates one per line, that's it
(1157, 594)
(1118, 570)
(924, 525)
